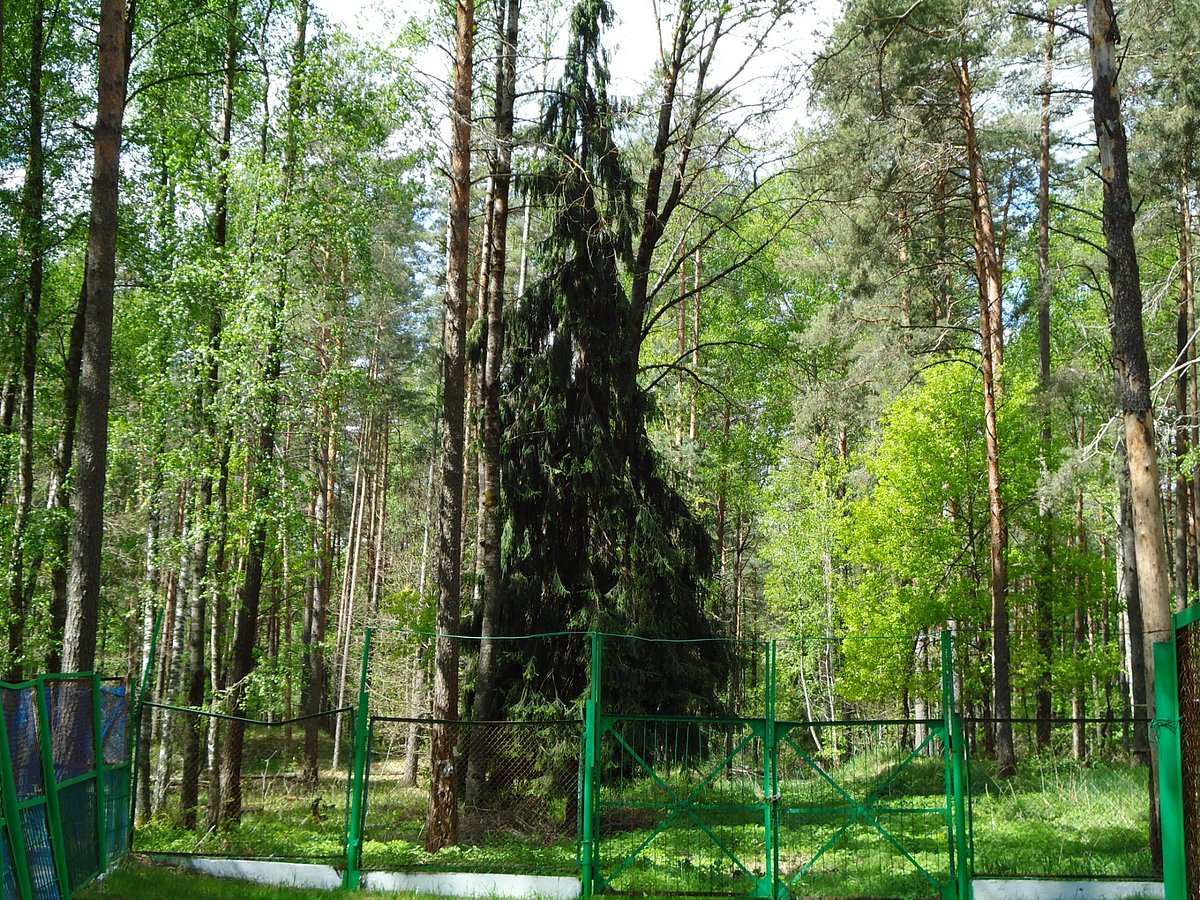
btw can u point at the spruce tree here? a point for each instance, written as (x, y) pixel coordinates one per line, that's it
(596, 536)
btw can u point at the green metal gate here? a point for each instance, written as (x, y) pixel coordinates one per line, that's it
(764, 807)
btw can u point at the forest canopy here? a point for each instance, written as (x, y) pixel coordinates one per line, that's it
(448, 325)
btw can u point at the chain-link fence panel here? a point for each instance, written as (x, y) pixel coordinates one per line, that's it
(1061, 816)
(8, 872)
(117, 777)
(681, 806)
(1187, 648)
(71, 714)
(24, 733)
(864, 808)
(518, 791)
(294, 783)
(540, 676)
(65, 807)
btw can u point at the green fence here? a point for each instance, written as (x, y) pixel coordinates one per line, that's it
(1177, 698)
(65, 780)
(765, 805)
(814, 766)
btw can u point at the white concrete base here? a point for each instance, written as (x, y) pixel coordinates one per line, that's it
(260, 871)
(466, 884)
(321, 877)
(1037, 889)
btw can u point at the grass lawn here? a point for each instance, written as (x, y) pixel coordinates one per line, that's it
(137, 879)
(1060, 817)
(1055, 818)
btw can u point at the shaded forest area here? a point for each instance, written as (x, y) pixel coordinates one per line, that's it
(305, 331)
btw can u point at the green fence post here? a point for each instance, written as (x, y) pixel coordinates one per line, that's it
(770, 885)
(353, 876)
(98, 769)
(12, 813)
(954, 731)
(591, 743)
(1170, 769)
(50, 778)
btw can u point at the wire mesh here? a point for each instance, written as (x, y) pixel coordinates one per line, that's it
(539, 676)
(863, 809)
(24, 744)
(293, 804)
(8, 875)
(1187, 644)
(1060, 816)
(681, 806)
(25, 748)
(77, 810)
(116, 751)
(36, 830)
(114, 723)
(69, 806)
(517, 796)
(69, 704)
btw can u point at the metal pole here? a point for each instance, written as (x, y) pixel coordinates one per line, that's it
(1170, 769)
(962, 858)
(98, 752)
(770, 885)
(353, 876)
(591, 742)
(53, 814)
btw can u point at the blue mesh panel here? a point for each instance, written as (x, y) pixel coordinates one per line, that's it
(114, 723)
(8, 876)
(20, 715)
(116, 813)
(37, 852)
(77, 805)
(72, 731)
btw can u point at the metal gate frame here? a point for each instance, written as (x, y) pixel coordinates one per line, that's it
(774, 735)
(1177, 728)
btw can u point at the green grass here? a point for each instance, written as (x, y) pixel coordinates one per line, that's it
(1056, 818)
(136, 879)
(1061, 817)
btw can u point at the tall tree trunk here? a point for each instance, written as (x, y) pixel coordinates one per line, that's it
(216, 631)
(1194, 397)
(58, 498)
(1131, 366)
(83, 594)
(441, 827)
(1044, 604)
(33, 245)
(316, 609)
(991, 335)
(345, 622)
(484, 705)
(417, 698)
(150, 595)
(201, 581)
(245, 623)
(1183, 348)
(1127, 593)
